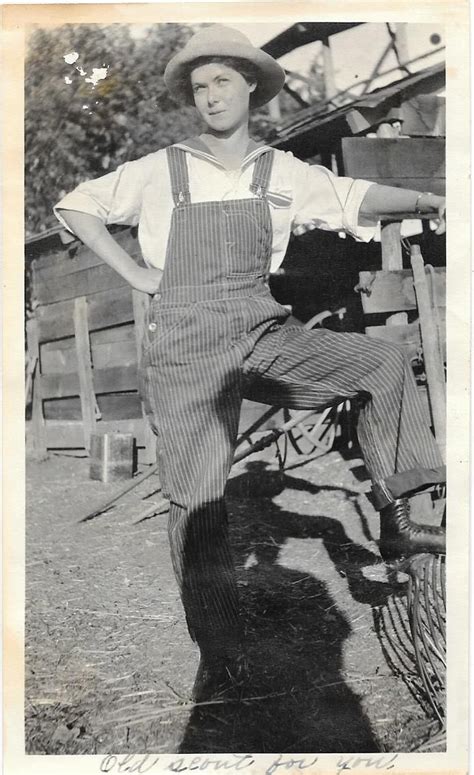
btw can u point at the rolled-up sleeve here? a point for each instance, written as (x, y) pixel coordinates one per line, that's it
(325, 201)
(115, 197)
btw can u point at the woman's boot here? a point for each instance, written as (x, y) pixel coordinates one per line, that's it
(400, 537)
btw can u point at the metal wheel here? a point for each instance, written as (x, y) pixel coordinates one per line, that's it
(427, 617)
(315, 434)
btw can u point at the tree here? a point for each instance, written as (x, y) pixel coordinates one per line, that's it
(75, 129)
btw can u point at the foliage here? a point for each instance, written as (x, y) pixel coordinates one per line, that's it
(75, 130)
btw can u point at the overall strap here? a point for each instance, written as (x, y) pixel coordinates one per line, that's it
(261, 173)
(178, 169)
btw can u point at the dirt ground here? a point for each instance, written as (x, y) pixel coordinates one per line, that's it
(109, 664)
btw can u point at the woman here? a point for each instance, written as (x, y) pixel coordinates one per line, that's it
(214, 216)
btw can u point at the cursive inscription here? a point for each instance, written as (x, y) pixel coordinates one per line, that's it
(129, 763)
(367, 762)
(201, 763)
(289, 763)
(140, 765)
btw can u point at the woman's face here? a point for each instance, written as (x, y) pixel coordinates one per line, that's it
(221, 95)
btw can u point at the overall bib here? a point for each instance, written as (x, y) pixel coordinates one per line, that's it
(215, 335)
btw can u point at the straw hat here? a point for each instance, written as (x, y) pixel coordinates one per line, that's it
(218, 40)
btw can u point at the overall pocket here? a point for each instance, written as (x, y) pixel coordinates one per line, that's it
(161, 321)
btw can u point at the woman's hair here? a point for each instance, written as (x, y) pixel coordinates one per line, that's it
(246, 69)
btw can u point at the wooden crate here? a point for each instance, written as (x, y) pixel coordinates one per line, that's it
(85, 337)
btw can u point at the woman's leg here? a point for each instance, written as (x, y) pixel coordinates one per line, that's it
(195, 412)
(304, 369)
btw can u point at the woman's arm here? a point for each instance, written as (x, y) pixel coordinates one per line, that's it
(387, 200)
(93, 233)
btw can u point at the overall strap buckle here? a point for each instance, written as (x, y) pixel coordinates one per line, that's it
(261, 174)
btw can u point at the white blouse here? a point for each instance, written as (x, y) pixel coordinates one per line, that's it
(301, 197)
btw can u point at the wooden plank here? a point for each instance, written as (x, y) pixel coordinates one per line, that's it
(417, 163)
(38, 425)
(124, 333)
(79, 257)
(68, 408)
(108, 308)
(394, 291)
(58, 356)
(391, 246)
(109, 347)
(120, 406)
(69, 435)
(108, 380)
(330, 87)
(84, 366)
(60, 385)
(112, 406)
(115, 379)
(141, 302)
(114, 354)
(82, 283)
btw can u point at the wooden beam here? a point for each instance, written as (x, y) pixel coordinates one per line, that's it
(329, 78)
(431, 349)
(84, 366)
(39, 433)
(141, 302)
(391, 246)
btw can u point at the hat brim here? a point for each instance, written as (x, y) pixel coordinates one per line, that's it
(270, 75)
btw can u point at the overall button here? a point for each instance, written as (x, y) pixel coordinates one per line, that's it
(152, 327)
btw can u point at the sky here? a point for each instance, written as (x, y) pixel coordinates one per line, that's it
(365, 43)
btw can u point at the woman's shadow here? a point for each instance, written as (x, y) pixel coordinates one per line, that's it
(297, 699)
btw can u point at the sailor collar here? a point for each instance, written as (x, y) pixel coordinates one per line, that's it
(198, 148)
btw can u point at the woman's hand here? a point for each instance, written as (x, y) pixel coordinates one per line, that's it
(440, 221)
(93, 233)
(145, 280)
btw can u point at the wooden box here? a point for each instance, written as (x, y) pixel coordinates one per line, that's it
(85, 336)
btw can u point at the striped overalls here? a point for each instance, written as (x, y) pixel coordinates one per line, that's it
(215, 335)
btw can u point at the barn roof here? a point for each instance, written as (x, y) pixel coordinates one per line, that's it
(321, 128)
(302, 33)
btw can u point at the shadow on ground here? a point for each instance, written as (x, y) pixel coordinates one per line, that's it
(299, 700)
